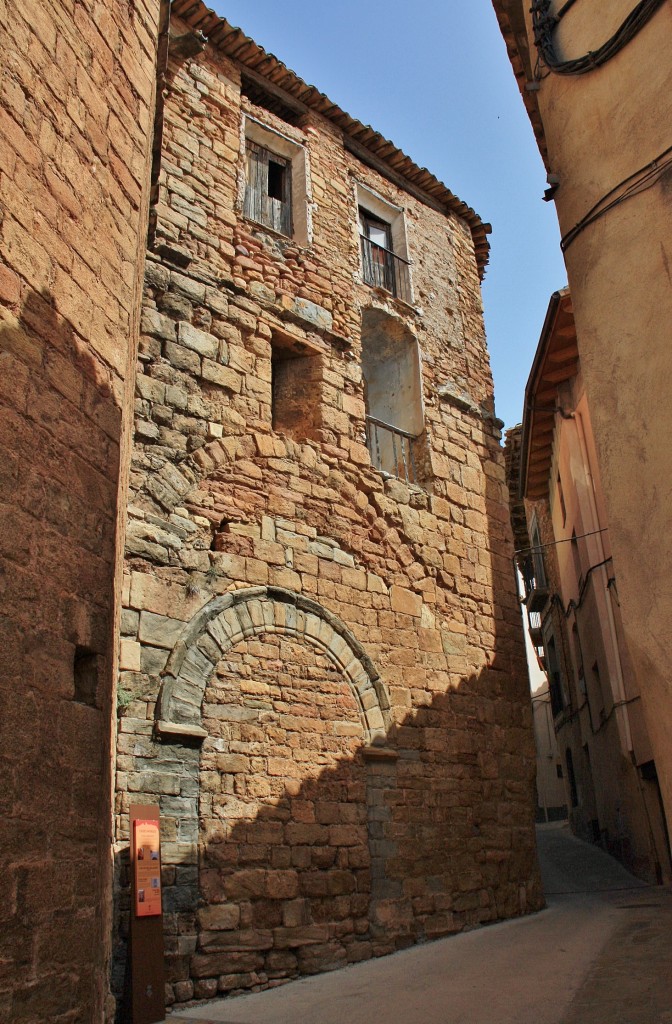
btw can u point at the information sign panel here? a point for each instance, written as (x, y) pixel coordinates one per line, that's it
(147, 867)
(147, 1004)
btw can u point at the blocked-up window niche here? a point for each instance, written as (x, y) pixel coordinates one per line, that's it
(296, 388)
(393, 398)
(85, 672)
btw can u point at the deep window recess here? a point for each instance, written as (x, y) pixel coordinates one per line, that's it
(296, 389)
(561, 496)
(268, 189)
(556, 681)
(598, 691)
(571, 778)
(85, 672)
(576, 558)
(578, 658)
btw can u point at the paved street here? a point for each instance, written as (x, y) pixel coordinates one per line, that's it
(601, 953)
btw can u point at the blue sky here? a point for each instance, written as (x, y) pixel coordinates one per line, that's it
(433, 76)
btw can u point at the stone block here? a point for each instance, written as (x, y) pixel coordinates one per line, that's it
(159, 630)
(182, 358)
(199, 341)
(155, 323)
(405, 601)
(219, 917)
(129, 655)
(222, 375)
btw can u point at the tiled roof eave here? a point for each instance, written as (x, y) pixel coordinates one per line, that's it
(236, 45)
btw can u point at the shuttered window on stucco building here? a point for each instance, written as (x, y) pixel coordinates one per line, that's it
(268, 189)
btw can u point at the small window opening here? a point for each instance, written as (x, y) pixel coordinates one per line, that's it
(574, 794)
(268, 189)
(554, 676)
(85, 671)
(563, 509)
(276, 179)
(381, 266)
(218, 542)
(578, 657)
(383, 244)
(576, 557)
(597, 685)
(558, 769)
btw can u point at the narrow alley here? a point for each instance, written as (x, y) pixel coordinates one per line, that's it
(600, 952)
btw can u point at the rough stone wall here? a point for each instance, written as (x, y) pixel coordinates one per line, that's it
(323, 679)
(75, 120)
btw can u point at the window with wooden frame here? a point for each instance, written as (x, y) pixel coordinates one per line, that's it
(383, 244)
(268, 188)
(377, 255)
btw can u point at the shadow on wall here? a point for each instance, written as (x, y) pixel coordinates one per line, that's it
(292, 847)
(59, 431)
(424, 834)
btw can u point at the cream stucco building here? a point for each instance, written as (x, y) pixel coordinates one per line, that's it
(600, 99)
(572, 596)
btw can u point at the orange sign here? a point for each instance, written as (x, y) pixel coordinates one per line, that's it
(147, 866)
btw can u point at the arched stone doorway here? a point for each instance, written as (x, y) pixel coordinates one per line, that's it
(285, 704)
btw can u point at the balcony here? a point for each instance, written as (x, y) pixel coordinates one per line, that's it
(537, 591)
(391, 450)
(534, 620)
(384, 269)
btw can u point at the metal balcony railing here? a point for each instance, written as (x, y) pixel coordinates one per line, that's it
(384, 269)
(391, 449)
(534, 577)
(534, 619)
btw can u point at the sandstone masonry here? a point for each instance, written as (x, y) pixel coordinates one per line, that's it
(322, 677)
(76, 109)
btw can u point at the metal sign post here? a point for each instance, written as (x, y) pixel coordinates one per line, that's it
(146, 928)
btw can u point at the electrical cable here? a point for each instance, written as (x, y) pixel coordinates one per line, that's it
(631, 186)
(544, 23)
(533, 548)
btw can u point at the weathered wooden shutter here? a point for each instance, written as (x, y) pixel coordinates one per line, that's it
(274, 212)
(256, 186)
(283, 209)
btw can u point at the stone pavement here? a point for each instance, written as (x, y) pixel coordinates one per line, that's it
(601, 953)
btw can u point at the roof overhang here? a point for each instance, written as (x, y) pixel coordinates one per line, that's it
(511, 18)
(361, 139)
(556, 361)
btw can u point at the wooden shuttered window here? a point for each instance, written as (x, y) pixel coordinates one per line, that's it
(268, 189)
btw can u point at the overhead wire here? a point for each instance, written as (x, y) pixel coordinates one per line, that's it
(631, 186)
(545, 22)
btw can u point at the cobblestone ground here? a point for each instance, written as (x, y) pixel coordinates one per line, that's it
(600, 952)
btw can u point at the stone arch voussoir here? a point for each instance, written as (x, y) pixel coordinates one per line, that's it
(226, 620)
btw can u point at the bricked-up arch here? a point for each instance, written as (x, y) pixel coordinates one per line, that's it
(236, 616)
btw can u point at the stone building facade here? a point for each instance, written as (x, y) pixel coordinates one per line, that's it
(322, 672)
(315, 635)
